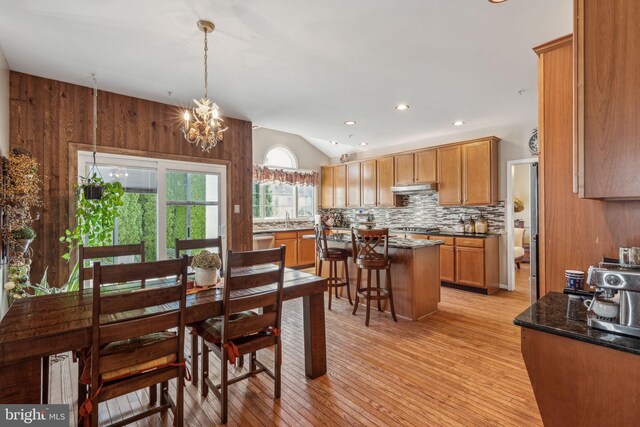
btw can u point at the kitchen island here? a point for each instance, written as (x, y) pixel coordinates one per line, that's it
(580, 376)
(415, 270)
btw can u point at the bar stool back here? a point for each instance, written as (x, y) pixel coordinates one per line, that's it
(371, 253)
(333, 255)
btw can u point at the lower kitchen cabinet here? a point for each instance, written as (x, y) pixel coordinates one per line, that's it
(447, 263)
(300, 252)
(470, 266)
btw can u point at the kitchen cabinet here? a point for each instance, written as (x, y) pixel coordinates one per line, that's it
(300, 251)
(450, 176)
(470, 266)
(385, 180)
(353, 185)
(326, 186)
(425, 167)
(607, 81)
(447, 263)
(468, 173)
(403, 169)
(339, 186)
(368, 182)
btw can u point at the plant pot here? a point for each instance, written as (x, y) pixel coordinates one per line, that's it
(206, 277)
(21, 245)
(93, 192)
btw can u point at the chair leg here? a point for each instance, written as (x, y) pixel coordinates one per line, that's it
(153, 394)
(518, 265)
(252, 362)
(164, 392)
(366, 321)
(335, 271)
(346, 275)
(378, 285)
(277, 371)
(194, 356)
(82, 388)
(330, 281)
(390, 290)
(205, 370)
(178, 416)
(45, 380)
(356, 297)
(240, 362)
(223, 388)
(319, 267)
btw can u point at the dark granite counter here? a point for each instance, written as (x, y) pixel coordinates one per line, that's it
(449, 234)
(277, 230)
(394, 242)
(549, 314)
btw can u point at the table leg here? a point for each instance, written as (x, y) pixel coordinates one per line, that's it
(315, 343)
(20, 382)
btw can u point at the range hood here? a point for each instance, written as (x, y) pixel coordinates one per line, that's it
(406, 190)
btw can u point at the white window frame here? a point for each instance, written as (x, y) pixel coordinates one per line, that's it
(161, 167)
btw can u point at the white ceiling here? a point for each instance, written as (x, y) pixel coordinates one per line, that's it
(302, 66)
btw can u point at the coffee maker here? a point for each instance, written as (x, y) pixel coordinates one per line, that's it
(610, 280)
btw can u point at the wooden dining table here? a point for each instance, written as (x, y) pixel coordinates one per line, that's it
(35, 327)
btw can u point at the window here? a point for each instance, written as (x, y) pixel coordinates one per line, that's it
(164, 201)
(275, 200)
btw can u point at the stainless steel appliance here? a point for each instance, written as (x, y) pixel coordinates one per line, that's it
(612, 280)
(533, 242)
(407, 190)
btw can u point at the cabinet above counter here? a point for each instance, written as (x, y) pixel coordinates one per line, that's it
(465, 173)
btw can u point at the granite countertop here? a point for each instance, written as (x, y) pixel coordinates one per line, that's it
(394, 242)
(277, 230)
(445, 233)
(549, 314)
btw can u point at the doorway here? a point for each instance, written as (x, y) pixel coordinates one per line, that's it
(522, 225)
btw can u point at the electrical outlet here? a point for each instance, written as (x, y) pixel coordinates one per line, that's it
(236, 209)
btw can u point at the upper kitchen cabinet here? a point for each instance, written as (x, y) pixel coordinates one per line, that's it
(607, 94)
(368, 181)
(415, 168)
(385, 180)
(450, 175)
(339, 186)
(468, 173)
(326, 178)
(353, 185)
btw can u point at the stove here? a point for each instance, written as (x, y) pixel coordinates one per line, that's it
(417, 229)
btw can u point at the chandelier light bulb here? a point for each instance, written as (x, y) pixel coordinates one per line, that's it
(186, 116)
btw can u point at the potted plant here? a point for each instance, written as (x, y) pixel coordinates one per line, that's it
(23, 237)
(93, 187)
(206, 265)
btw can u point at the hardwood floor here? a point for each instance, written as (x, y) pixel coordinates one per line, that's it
(459, 366)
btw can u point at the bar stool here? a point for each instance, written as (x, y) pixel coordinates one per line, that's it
(333, 255)
(367, 258)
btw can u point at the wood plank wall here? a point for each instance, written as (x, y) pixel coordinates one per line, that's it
(52, 118)
(575, 232)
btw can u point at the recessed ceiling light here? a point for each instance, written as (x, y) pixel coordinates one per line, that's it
(364, 143)
(497, 1)
(350, 122)
(458, 123)
(402, 107)
(333, 143)
(255, 127)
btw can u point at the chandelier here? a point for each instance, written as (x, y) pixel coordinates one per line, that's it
(203, 124)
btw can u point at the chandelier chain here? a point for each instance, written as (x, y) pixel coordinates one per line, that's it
(206, 70)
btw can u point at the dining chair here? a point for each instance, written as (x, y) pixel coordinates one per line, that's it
(132, 345)
(85, 272)
(188, 245)
(248, 286)
(333, 256)
(371, 253)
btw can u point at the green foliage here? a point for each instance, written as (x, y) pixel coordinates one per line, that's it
(130, 219)
(43, 287)
(149, 225)
(24, 233)
(95, 219)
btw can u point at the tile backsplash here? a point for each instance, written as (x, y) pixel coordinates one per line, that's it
(422, 210)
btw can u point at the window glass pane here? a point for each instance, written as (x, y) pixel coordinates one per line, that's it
(282, 157)
(305, 201)
(278, 200)
(176, 227)
(256, 200)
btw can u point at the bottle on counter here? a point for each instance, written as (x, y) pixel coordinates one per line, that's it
(470, 225)
(459, 228)
(482, 225)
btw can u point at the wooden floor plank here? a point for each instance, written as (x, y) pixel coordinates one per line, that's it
(460, 366)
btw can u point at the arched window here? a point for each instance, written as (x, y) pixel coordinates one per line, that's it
(274, 201)
(281, 157)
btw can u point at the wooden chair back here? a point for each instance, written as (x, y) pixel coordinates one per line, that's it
(322, 248)
(129, 314)
(101, 252)
(185, 245)
(248, 285)
(370, 247)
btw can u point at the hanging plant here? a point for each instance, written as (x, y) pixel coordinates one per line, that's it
(95, 218)
(93, 188)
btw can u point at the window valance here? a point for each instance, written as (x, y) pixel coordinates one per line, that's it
(264, 174)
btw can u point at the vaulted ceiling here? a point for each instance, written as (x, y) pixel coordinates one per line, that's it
(302, 66)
